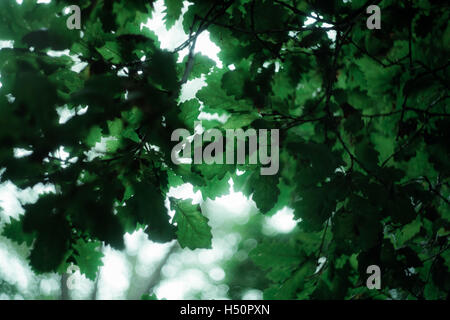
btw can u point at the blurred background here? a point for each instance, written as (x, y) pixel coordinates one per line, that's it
(223, 272)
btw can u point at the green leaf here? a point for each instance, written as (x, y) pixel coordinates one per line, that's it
(173, 12)
(265, 191)
(88, 258)
(202, 65)
(131, 134)
(357, 226)
(45, 219)
(263, 187)
(146, 296)
(94, 136)
(288, 289)
(406, 233)
(401, 210)
(215, 98)
(14, 231)
(366, 153)
(215, 187)
(240, 121)
(189, 112)
(193, 230)
(315, 207)
(276, 254)
(115, 127)
(110, 52)
(233, 83)
(162, 71)
(146, 207)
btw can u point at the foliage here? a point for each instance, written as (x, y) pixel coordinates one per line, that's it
(363, 123)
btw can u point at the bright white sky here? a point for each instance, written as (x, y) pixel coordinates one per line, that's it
(185, 271)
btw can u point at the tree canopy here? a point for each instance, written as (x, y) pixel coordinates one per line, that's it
(362, 114)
